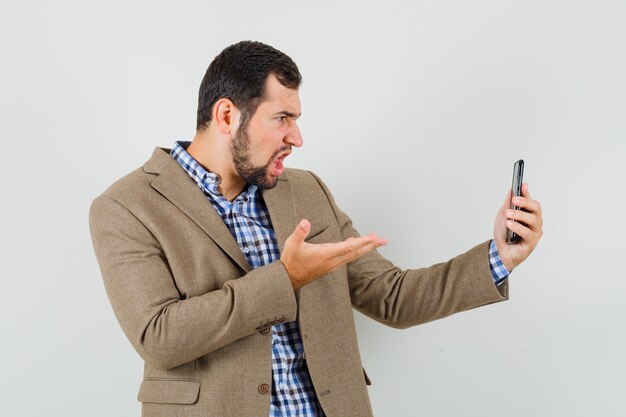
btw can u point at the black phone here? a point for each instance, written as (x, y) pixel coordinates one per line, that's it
(516, 190)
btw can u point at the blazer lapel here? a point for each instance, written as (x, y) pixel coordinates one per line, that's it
(282, 210)
(177, 186)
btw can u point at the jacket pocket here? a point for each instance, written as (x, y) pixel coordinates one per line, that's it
(321, 235)
(367, 378)
(169, 391)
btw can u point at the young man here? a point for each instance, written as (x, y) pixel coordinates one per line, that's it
(234, 277)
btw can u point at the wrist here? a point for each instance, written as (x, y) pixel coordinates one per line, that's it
(508, 264)
(295, 283)
(501, 249)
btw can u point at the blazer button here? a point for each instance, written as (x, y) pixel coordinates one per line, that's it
(264, 331)
(264, 389)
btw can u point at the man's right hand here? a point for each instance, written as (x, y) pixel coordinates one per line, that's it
(305, 262)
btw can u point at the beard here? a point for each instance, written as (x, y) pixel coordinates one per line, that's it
(240, 150)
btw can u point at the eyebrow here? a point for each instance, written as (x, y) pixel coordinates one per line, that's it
(289, 114)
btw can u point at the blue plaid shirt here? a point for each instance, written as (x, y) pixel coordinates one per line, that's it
(249, 222)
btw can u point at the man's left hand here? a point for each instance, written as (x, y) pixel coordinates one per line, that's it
(530, 231)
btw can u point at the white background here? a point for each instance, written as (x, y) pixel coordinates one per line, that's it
(413, 114)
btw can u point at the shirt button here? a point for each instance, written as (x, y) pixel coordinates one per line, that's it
(246, 249)
(264, 389)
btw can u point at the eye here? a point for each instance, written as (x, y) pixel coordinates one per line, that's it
(280, 118)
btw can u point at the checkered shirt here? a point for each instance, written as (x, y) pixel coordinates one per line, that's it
(249, 222)
(498, 270)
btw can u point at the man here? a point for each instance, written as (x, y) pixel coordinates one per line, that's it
(234, 277)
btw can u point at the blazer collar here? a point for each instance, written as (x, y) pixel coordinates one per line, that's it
(179, 188)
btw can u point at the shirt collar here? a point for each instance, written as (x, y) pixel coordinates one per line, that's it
(206, 180)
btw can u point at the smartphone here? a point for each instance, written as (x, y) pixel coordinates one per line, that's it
(516, 190)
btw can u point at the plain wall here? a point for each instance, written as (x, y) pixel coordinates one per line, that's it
(413, 114)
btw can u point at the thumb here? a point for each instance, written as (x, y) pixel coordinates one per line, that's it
(302, 230)
(507, 200)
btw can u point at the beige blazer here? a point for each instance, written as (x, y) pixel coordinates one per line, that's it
(200, 318)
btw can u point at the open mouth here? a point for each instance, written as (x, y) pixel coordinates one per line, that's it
(279, 167)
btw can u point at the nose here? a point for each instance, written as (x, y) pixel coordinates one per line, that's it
(293, 135)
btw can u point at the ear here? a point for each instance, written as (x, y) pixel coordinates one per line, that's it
(225, 115)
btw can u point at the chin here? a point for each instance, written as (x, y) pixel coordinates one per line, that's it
(268, 185)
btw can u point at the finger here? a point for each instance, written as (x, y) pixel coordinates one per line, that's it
(507, 201)
(351, 249)
(521, 230)
(530, 219)
(370, 247)
(302, 230)
(525, 191)
(530, 205)
(378, 242)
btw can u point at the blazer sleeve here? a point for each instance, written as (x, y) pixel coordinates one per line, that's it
(405, 298)
(164, 329)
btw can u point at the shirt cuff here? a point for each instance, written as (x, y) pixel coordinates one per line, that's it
(498, 272)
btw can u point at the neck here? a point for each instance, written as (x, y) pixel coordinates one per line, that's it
(213, 154)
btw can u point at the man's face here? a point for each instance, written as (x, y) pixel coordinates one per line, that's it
(264, 140)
